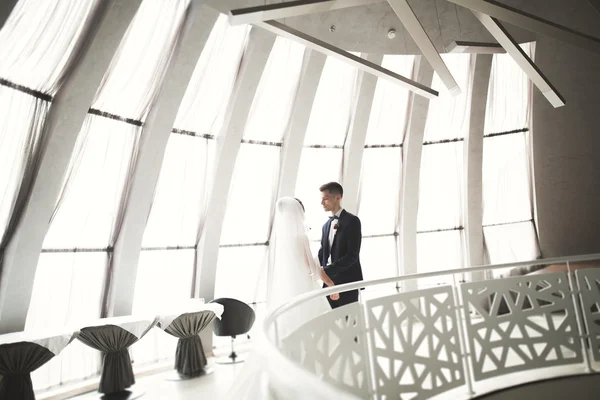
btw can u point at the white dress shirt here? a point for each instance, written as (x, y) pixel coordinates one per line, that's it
(332, 232)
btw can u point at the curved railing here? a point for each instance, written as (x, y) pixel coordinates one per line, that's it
(459, 339)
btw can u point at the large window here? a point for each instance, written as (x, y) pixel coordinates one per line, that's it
(242, 264)
(70, 278)
(167, 263)
(322, 154)
(440, 240)
(508, 226)
(381, 175)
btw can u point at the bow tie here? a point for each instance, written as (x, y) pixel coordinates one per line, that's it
(334, 217)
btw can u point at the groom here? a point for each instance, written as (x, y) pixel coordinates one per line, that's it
(340, 244)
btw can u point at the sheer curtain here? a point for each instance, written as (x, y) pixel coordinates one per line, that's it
(381, 173)
(167, 260)
(88, 212)
(242, 265)
(508, 226)
(440, 241)
(38, 40)
(322, 155)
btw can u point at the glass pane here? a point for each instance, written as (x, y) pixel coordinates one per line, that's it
(438, 251)
(380, 190)
(332, 109)
(508, 106)
(378, 257)
(38, 40)
(181, 193)
(138, 67)
(440, 187)
(276, 92)
(251, 194)
(22, 122)
(317, 166)
(93, 186)
(448, 116)
(390, 101)
(506, 179)
(164, 278)
(241, 273)
(67, 289)
(511, 243)
(77, 361)
(211, 83)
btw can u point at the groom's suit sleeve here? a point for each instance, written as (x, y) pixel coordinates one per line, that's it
(351, 257)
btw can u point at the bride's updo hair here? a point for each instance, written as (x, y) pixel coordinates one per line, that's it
(301, 205)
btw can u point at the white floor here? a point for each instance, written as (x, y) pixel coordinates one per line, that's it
(159, 386)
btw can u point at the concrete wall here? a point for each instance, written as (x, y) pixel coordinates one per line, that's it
(566, 147)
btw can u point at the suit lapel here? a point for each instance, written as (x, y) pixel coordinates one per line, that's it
(339, 224)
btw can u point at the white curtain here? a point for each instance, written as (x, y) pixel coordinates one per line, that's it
(20, 132)
(89, 210)
(332, 108)
(213, 78)
(328, 125)
(441, 185)
(508, 102)
(448, 116)
(38, 40)
(165, 270)
(509, 230)
(389, 108)
(275, 95)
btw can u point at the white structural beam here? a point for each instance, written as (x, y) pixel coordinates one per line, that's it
(194, 33)
(417, 32)
(6, 7)
(460, 47)
(517, 54)
(293, 140)
(532, 23)
(267, 12)
(473, 164)
(63, 123)
(355, 143)
(332, 51)
(254, 60)
(411, 151)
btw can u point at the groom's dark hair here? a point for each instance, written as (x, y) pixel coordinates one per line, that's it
(333, 187)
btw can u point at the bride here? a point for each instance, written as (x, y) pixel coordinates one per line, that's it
(292, 271)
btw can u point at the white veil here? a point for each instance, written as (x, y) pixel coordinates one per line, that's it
(292, 271)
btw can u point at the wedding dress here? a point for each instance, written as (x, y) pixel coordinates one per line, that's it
(292, 271)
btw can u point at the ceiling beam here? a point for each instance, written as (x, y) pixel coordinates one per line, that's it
(460, 47)
(332, 51)
(512, 47)
(531, 22)
(419, 35)
(288, 9)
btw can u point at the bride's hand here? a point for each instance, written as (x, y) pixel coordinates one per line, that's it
(335, 296)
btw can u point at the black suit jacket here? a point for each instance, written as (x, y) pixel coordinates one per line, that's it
(345, 264)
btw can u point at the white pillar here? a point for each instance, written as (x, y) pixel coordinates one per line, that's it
(194, 33)
(254, 60)
(293, 140)
(355, 143)
(411, 151)
(473, 163)
(63, 123)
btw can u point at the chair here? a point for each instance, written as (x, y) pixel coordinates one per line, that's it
(237, 319)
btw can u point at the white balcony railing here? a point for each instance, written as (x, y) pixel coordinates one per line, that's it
(456, 340)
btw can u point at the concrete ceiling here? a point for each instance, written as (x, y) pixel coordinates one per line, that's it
(364, 29)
